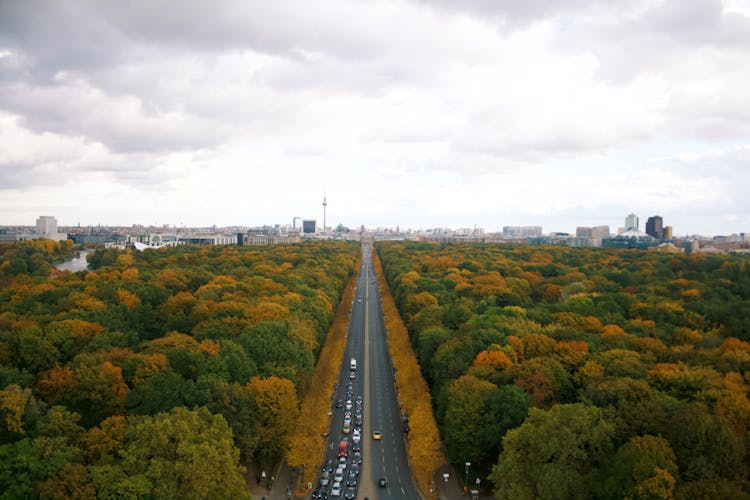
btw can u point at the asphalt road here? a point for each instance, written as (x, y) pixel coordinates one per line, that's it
(373, 380)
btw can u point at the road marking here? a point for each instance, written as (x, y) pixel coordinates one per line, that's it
(367, 480)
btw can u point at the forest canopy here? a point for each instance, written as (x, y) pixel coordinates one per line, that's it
(574, 373)
(157, 373)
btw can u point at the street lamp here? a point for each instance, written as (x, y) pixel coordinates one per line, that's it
(466, 483)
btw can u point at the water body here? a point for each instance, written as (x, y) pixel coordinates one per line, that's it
(75, 264)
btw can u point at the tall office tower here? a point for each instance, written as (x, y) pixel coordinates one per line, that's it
(325, 204)
(46, 225)
(631, 223)
(655, 227)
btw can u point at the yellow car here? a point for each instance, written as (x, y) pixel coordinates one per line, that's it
(376, 435)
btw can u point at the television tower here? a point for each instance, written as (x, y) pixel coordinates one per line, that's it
(325, 204)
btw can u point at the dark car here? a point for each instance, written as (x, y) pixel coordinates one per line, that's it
(350, 494)
(351, 480)
(319, 494)
(356, 446)
(357, 458)
(339, 403)
(382, 482)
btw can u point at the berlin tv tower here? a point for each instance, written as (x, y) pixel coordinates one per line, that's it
(325, 204)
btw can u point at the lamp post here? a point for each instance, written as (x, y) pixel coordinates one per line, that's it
(466, 483)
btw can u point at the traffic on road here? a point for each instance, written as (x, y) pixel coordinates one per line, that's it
(365, 452)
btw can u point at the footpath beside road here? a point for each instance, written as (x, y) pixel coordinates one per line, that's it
(274, 487)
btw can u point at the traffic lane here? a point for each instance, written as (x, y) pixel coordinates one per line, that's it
(392, 451)
(354, 348)
(387, 459)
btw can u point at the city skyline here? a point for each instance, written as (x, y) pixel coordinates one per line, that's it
(413, 113)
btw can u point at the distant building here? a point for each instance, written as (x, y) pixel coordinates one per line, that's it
(668, 248)
(522, 231)
(596, 232)
(630, 239)
(631, 223)
(667, 232)
(655, 227)
(590, 236)
(600, 232)
(309, 226)
(46, 228)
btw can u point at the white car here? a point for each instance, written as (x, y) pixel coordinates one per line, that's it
(356, 436)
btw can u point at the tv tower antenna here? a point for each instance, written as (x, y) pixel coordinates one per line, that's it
(325, 204)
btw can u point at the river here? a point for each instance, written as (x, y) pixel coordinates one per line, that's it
(75, 264)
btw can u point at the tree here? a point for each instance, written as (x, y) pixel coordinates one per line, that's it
(13, 401)
(553, 454)
(184, 454)
(277, 407)
(466, 434)
(644, 467)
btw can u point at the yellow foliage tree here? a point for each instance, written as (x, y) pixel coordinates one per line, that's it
(128, 299)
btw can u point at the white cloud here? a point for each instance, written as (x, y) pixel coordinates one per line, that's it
(424, 113)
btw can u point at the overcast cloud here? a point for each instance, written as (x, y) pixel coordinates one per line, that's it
(421, 113)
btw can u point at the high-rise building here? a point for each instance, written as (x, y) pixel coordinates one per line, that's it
(631, 223)
(309, 226)
(46, 225)
(667, 232)
(655, 227)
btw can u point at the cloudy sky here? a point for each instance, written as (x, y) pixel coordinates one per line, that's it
(418, 113)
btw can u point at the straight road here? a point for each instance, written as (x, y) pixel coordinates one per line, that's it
(389, 454)
(373, 381)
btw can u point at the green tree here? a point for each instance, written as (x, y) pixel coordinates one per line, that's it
(644, 467)
(553, 454)
(184, 454)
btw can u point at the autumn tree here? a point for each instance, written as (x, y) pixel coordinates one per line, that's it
(277, 407)
(184, 454)
(554, 454)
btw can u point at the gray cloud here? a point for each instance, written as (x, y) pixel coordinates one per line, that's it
(152, 93)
